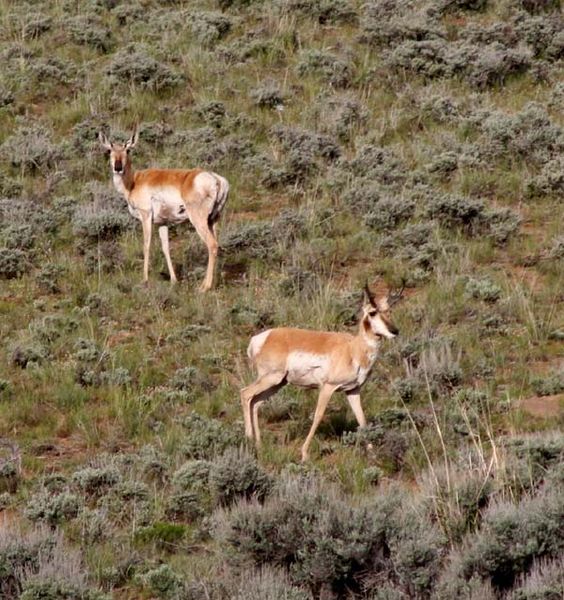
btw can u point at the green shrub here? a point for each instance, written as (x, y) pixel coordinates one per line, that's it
(268, 95)
(513, 536)
(208, 27)
(193, 475)
(49, 276)
(134, 65)
(13, 263)
(22, 237)
(93, 223)
(30, 147)
(88, 30)
(21, 552)
(236, 475)
(163, 581)
(323, 11)
(388, 213)
(483, 289)
(267, 584)
(164, 535)
(53, 509)
(326, 65)
(96, 481)
(186, 506)
(547, 386)
(205, 438)
(29, 354)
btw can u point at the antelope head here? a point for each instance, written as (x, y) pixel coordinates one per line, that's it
(119, 153)
(376, 317)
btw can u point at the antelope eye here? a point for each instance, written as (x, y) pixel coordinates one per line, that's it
(372, 313)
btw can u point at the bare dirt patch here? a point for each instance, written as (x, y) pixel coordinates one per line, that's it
(544, 407)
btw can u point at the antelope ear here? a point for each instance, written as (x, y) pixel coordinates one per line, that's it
(369, 297)
(104, 141)
(130, 144)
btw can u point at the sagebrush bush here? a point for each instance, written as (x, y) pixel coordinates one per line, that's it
(13, 263)
(92, 223)
(193, 475)
(267, 584)
(331, 546)
(49, 277)
(268, 95)
(96, 481)
(206, 438)
(53, 509)
(549, 385)
(20, 552)
(323, 11)
(22, 237)
(89, 30)
(329, 67)
(28, 354)
(483, 289)
(208, 27)
(513, 537)
(31, 147)
(163, 581)
(236, 475)
(261, 238)
(135, 65)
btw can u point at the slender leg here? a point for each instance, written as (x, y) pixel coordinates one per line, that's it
(264, 386)
(163, 234)
(147, 229)
(204, 231)
(354, 400)
(256, 404)
(325, 394)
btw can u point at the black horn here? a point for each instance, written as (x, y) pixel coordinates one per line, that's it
(397, 295)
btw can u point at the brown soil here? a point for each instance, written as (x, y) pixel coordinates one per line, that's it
(544, 407)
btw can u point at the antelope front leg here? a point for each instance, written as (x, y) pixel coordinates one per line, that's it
(324, 396)
(163, 234)
(354, 401)
(146, 221)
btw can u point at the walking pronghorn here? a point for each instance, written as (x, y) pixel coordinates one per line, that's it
(327, 360)
(167, 197)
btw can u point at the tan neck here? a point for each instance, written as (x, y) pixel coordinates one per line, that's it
(366, 336)
(124, 182)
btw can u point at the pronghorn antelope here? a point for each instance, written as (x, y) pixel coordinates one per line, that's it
(325, 360)
(167, 197)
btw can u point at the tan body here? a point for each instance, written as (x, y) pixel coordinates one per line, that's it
(325, 360)
(168, 197)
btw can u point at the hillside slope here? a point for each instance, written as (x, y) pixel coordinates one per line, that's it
(385, 141)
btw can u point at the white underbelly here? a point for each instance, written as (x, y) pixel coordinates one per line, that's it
(307, 370)
(167, 208)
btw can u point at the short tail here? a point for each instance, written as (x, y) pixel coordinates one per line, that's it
(222, 193)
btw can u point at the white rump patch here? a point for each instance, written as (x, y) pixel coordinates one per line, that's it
(206, 184)
(257, 342)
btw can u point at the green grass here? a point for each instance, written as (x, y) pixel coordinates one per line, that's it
(124, 398)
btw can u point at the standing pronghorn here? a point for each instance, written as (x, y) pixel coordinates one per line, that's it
(326, 360)
(167, 197)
